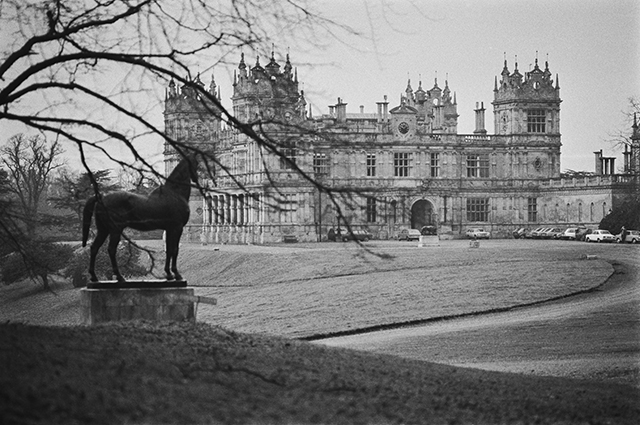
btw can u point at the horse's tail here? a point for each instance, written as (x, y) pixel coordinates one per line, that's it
(86, 218)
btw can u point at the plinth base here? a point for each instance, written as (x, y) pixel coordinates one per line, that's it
(428, 240)
(115, 302)
(137, 284)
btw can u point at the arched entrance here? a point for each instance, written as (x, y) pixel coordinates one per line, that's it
(422, 214)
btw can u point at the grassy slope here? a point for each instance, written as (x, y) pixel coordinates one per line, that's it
(141, 373)
(299, 291)
(182, 373)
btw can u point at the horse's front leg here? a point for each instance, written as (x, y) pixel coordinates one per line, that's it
(169, 248)
(172, 248)
(114, 240)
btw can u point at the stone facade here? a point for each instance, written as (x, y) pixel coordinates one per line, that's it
(404, 167)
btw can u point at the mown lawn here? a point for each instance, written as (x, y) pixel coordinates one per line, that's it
(304, 290)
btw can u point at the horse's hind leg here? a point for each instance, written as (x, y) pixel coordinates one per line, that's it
(114, 239)
(101, 236)
(174, 257)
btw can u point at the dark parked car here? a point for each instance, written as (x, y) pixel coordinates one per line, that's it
(519, 233)
(334, 234)
(429, 230)
(581, 232)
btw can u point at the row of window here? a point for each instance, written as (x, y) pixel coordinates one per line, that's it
(478, 210)
(532, 211)
(235, 209)
(477, 165)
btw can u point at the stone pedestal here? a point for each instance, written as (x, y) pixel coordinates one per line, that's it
(428, 240)
(121, 304)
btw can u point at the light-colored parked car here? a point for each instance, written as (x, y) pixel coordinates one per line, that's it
(477, 233)
(409, 234)
(600, 235)
(569, 234)
(530, 235)
(551, 233)
(631, 236)
(537, 234)
(359, 235)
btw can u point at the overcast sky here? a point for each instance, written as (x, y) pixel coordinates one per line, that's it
(592, 45)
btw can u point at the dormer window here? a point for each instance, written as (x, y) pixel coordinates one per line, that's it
(536, 121)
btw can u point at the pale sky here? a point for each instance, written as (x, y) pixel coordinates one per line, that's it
(592, 45)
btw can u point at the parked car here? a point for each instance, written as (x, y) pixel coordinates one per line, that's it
(551, 233)
(529, 234)
(477, 233)
(409, 234)
(519, 233)
(569, 234)
(600, 235)
(631, 236)
(581, 232)
(429, 230)
(359, 235)
(537, 234)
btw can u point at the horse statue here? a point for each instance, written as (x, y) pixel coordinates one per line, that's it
(166, 208)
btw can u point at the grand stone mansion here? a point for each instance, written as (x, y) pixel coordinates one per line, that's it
(400, 167)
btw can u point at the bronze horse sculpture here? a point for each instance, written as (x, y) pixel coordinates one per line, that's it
(166, 208)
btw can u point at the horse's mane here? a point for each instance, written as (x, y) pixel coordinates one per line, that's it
(182, 172)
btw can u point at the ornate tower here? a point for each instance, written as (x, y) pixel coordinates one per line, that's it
(189, 117)
(437, 110)
(527, 110)
(527, 106)
(267, 94)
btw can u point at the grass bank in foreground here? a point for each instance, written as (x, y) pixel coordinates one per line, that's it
(181, 373)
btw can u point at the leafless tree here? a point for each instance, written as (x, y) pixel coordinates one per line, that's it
(94, 72)
(30, 162)
(91, 70)
(621, 138)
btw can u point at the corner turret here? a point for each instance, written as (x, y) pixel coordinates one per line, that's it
(527, 104)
